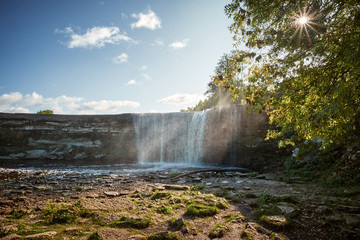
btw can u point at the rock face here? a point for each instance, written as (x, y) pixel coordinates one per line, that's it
(67, 137)
(221, 136)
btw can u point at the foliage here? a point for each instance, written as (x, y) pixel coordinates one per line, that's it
(47, 111)
(226, 73)
(306, 76)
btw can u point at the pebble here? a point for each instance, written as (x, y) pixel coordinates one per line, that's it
(247, 188)
(225, 182)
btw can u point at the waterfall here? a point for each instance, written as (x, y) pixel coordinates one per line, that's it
(170, 137)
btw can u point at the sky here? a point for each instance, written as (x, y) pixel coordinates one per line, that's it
(109, 57)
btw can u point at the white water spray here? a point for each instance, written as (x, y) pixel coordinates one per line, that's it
(170, 137)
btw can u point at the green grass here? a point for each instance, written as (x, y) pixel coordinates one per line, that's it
(127, 222)
(164, 236)
(164, 210)
(159, 195)
(200, 210)
(197, 187)
(64, 213)
(18, 213)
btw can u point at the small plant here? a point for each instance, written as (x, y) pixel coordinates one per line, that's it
(218, 231)
(47, 111)
(198, 187)
(164, 210)
(126, 222)
(253, 175)
(18, 213)
(159, 195)
(94, 236)
(164, 236)
(200, 210)
(177, 223)
(61, 213)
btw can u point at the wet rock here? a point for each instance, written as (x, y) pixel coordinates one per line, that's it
(224, 182)
(247, 188)
(45, 235)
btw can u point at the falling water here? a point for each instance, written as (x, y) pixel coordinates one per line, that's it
(170, 137)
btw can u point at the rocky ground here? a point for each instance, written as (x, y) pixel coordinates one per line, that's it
(157, 205)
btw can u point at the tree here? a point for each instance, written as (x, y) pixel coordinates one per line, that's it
(226, 76)
(47, 111)
(303, 61)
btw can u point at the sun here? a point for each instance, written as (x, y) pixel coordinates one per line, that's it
(305, 20)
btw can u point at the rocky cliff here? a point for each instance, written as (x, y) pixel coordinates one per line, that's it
(229, 136)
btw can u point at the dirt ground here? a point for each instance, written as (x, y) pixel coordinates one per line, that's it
(205, 205)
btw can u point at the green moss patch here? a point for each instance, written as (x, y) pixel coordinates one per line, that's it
(164, 236)
(200, 210)
(127, 222)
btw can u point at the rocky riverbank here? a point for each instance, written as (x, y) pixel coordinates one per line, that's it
(155, 205)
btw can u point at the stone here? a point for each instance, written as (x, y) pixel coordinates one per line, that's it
(286, 208)
(224, 182)
(45, 235)
(11, 237)
(111, 194)
(247, 188)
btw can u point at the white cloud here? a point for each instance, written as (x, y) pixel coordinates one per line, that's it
(17, 102)
(107, 106)
(122, 58)
(179, 44)
(146, 20)
(94, 37)
(7, 99)
(181, 99)
(33, 100)
(144, 67)
(146, 76)
(131, 82)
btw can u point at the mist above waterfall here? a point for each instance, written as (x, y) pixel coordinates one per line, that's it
(183, 137)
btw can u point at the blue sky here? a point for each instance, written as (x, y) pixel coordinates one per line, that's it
(109, 57)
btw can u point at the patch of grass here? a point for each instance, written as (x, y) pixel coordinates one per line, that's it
(253, 174)
(218, 231)
(197, 187)
(176, 223)
(266, 210)
(4, 232)
(63, 213)
(127, 222)
(18, 213)
(200, 210)
(159, 195)
(94, 236)
(164, 236)
(164, 210)
(245, 235)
